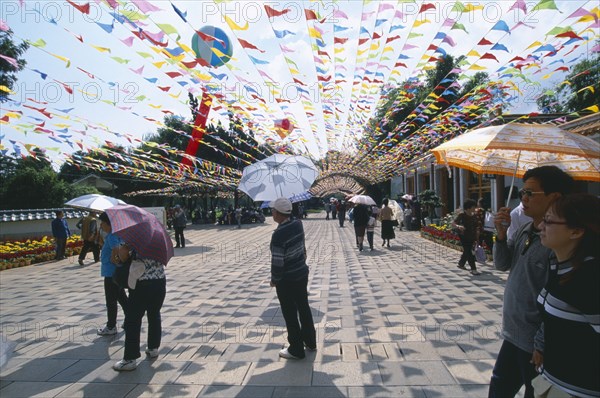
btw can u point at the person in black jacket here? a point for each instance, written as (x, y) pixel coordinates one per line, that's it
(567, 345)
(179, 223)
(466, 225)
(361, 219)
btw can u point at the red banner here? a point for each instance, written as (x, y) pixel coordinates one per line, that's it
(199, 125)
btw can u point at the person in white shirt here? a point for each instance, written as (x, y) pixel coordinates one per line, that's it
(517, 218)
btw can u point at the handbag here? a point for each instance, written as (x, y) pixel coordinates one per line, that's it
(121, 275)
(480, 256)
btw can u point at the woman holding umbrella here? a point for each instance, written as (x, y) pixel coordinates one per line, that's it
(361, 219)
(147, 291)
(148, 247)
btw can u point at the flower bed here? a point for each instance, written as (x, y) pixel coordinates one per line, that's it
(444, 236)
(19, 253)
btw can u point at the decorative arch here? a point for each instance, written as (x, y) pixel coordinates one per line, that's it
(338, 183)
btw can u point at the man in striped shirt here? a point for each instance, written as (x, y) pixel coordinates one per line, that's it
(289, 276)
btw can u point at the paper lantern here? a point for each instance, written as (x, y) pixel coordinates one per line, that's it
(208, 38)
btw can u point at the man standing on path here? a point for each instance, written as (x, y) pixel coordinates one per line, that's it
(528, 262)
(90, 234)
(179, 224)
(61, 232)
(341, 210)
(289, 276)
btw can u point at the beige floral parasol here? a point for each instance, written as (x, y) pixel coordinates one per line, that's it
(512, 149)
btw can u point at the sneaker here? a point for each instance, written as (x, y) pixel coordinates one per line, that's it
(475, 272)
(461, 266)
(125, 364)
(106, 331)
(286, 354)
(152, 353)
(80, 262)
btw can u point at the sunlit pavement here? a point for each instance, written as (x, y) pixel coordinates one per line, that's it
(397, 322)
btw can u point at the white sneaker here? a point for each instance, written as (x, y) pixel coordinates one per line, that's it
(152, 353)
(125, 364)
(286, 354)
(106, 331)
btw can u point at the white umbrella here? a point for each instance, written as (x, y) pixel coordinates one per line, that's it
(278, 176)
(296, 198)
(94, 202)
(362, 200)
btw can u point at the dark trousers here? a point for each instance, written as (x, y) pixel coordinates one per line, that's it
(333, 214)
(87, 245)
(341, 218)
(467, 254)
(114, 294)
(327, 216)
(147, 297)
(293, 298)
(61, 246)
(511, 371)
(179, 236)
(359, 231)
(370, 238)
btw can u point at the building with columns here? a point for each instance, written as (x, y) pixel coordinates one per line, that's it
(454, 185)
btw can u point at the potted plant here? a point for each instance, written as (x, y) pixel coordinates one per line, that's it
(430, 201)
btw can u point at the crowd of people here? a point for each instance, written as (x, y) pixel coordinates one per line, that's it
(548, 244)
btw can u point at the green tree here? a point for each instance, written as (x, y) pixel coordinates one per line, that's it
(8, 71)
(582, 90)
(23, 189)
(477, 80)
(430, 201)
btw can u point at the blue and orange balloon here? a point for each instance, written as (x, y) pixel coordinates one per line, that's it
(208, 38)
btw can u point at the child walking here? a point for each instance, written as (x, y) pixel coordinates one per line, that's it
(371, 230)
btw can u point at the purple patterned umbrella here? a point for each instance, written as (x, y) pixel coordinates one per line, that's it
(142, 231)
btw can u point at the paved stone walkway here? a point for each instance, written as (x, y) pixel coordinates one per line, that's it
(398, 322)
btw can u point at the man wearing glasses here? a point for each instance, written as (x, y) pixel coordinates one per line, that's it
(528, 262)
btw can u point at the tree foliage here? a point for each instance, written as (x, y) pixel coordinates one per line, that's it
(399, 102)
(8, 71)
(581, 90)
(33, 184)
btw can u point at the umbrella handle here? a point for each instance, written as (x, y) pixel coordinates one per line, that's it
(512, 182)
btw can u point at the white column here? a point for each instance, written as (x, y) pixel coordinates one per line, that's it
(455, 178)
(463, 186)
(494, 201)
(432, 178)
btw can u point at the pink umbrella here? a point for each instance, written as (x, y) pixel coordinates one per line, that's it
(142, 231)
